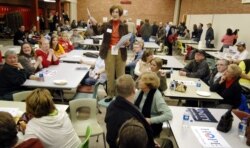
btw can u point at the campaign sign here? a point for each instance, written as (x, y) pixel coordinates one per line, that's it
(202, 114)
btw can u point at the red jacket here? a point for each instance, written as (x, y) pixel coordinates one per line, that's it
(67, 46)
(44, 56)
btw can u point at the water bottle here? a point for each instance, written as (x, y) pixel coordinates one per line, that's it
(198, 85)
(41, 77)
(171, 72)
(186, 119)
(172, 85)
(242, 128)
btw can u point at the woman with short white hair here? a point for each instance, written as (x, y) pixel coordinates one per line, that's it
(228, 86)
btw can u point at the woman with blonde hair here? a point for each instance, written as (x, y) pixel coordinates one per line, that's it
(51, 126)
(228, 86)
(156, 65)
(151, 103)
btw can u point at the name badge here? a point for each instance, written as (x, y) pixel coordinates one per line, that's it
(109, 30)
(114, 51)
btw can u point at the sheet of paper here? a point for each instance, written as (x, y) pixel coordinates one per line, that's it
(13, 111)
(209, 137)
(123, 40)
(89, 15)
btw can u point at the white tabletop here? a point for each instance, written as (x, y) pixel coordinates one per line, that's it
(220, 55)
(75, 56)
(151, 45)
(187, 41)
(195, 46)
(89, 42)
(191, 89)
(10, 47)
(63, 71)
(172, 62)
(97, 36)
(22, 106)
(185, 137)
(81, 29)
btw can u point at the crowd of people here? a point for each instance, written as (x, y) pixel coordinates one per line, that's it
(134, 88)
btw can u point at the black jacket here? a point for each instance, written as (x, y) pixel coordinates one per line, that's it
(231, 95)
(118, 112)
(123, 30)
(11, 79)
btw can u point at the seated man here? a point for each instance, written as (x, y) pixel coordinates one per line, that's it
(221, 68)
(242, 53)
(122, 109)
(197, 68)
(137, 47)
(19, 37)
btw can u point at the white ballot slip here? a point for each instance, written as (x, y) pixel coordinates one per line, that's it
(209, 137)
(89, 15)
(123, 40)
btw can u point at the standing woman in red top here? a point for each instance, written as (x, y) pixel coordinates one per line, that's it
(115, 59)
(46, 54)
(65, 42)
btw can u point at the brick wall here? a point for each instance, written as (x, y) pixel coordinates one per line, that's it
(213, 7)
(154, 10)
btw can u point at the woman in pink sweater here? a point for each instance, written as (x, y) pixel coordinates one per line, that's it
(228, 39)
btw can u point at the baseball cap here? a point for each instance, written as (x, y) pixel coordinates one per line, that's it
(201, 52)
(240, 43)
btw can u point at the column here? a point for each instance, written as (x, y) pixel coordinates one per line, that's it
(58, 9)
(73, 10)
(35, 15)
(177, 11)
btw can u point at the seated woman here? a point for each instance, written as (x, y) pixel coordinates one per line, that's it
(58, 49)
(151, 103)
(51, 126)
(12, 76)
(156, 65)
(65, 42)
(46, 54)
(27, 58)
(228, 86)
(143, 65)
(8, 132)
(95, 74)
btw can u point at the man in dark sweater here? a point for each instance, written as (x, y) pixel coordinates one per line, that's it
(19, 37)
(197, 68)
(123, 109)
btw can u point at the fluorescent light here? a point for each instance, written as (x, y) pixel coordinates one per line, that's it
(50, 1)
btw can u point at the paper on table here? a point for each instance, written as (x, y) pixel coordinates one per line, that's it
(123, 40)
(12, 111)
(209, 137)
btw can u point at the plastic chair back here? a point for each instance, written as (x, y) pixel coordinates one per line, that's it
(21, 96)
(82, 102)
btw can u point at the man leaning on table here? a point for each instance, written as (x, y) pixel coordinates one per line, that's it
(197, 68)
